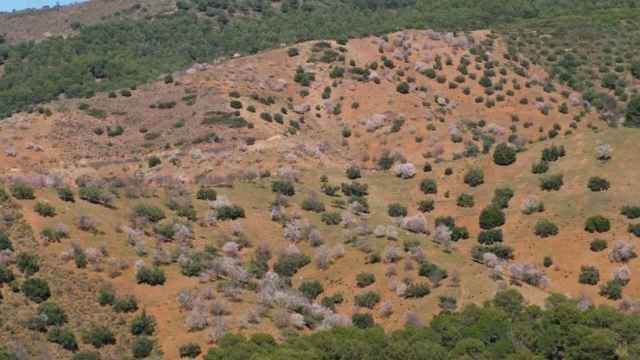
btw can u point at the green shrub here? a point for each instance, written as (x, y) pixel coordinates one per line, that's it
(86, 355)
(53, 314)
(362, 321)
(396, 210)
(125, 305)
(314, 204)
(553, 153)
(540, 167)
(5, 242)
(98, 336)
(293, 52)
(149, 212)
(597, 223)
(426, 205)
(432, 272)
(634, 229)
(64, 338)
(331, 218)
(45, 209)
(598, 245)
(491, 217)
(465, 201)
(365, 279)
(65, 194)
(22, 192)
(152, 276)
(631, 212)
(612, 290)
(367, 299)
(154, 161)
(547, 261)
(205, 193)
(490, 237)
(95, 195)
(589, 275)
(474, 177)
(598, 184)
(283, 187)
(429, 186)
(353, 172)
(288, 265)
(416, 291)
(28, 263)
(403, 88)
(106, 296)
(501, 197)
(545, 228)
(142, 347)
(6, 275)
(230, 212)
(551, 182)
(311, 289)
(36, 290)
(504, 155)
(143, 324)
(355, 189)
(191, 350)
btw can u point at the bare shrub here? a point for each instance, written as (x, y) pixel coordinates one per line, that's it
(622, 251)
(604, 152)
(391, 254)
(412, 319)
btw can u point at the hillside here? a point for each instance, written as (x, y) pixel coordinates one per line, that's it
(411, 179)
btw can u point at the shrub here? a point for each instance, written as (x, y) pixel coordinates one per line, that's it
(65, 194)
(143, 324)
(403, 88)
(106, 296)
(45, 209)
(293, 52)
(86, 355)
(283, 187)
(589, 275)
(612, 290)
(416, 291)
(191, 350)
(474, 177)
(365, 279)
(149, 212)
(553, 153)
(312, 203)
(634, 229)
(354, 189)
(64, 338)
(95, 195)
(353, 172)
(501, 197)
(125, 305)
(598, 245)
(426, 205)
(545, 228)
(547, 261)
(551, 182)
(28, 263)
(432, 272)
(6, 275)
(331, 218)
(597, 223)
(491, 217)
(288, 265)
(142, 347)
(367, 299)
(540, 167)
(22, 192)
(489, 237)
(598, 184)
(154, 161)
(362, 321)
(230, 212)
(632, 113)
(5, 242)
(631, 212)
(36, 290)
(53, 314)
(465, 201)
(152, 276)
(397, 210)
(429, 186)
(311, 289)
(504, 155)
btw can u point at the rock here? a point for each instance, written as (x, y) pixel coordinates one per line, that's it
(301, 109)
(379, 231)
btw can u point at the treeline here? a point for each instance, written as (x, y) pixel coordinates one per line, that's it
(505, 328)
(123, 54)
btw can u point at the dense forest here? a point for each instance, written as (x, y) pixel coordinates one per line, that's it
(123, 54)
(505, 328)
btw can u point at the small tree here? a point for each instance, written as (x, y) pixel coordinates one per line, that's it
(283, 187)
(152, 276)
(403, 88)
(142, 347)
(143, 324)
(612, 290)
(191, 350)
(598, 245)
(551, 182)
